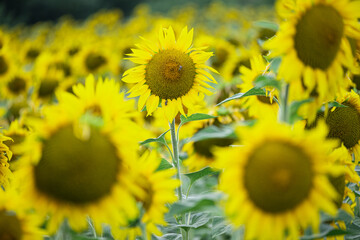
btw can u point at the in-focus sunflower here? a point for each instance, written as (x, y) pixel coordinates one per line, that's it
(5, 157)
(76, 166)
(171, 73)
(278, 179)
(313, 42)
(344, 122)
(158, 189)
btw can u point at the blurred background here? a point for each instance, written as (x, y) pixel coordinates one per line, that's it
(13, 12)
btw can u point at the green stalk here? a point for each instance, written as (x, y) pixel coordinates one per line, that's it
(175, 145)
(283, 111)
(176, 162)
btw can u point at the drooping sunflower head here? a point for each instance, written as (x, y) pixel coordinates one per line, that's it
(171, 72)
(278, 178)
(75, 167)
(313, 40)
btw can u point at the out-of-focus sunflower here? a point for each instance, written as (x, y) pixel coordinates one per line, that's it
(96, 59)
(5, 157)
(170, 72)
(16, 223)
(346, 197)
(16, 85)
(17, 133)
(278, 179)
(313, 42)
(258, 106)
(7, 64)
(95, 97)
(201, 153)
(158, 189)
(76, 166)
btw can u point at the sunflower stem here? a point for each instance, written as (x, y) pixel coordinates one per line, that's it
(176, 162)
(283, 111)
(175, 145)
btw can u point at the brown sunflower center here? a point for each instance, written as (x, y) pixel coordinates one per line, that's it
(344, 124)
(74, 170)
(278, 176)
(265, 99)
(61, 66)
(47, 87)
(206, 147)
(10, 226)
(3, 65)
(356, 80)
(32, 53)
(170, 74)
(318, 36)
(339, 185)
(17, 85)
(94, 61)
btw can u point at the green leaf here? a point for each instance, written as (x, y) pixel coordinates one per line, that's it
(275, 64)
(220, 227)
(266, 25)
(252, 92)
(327, 232)
(294, 108)
(199, 174)
(195, 203)
(213, 132)
(164, 165)
(168, 236)
(195, 117)
(89, 118)
(335, 104)
(196, 220)
(267, 81)
(160, 139)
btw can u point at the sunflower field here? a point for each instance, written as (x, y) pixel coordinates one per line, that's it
(218, 122)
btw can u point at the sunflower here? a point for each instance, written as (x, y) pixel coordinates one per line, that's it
(94, 97)
(16, 85)
(17, 133)
(344, 123)
(278, 179)
(201, 153)
(15, 222)
(158, 189)
(96, 59)
(258, 106)
(313, 42)
(171, 73)
(74, 167)
(7, 64)
(346, 197)
(5, 157)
